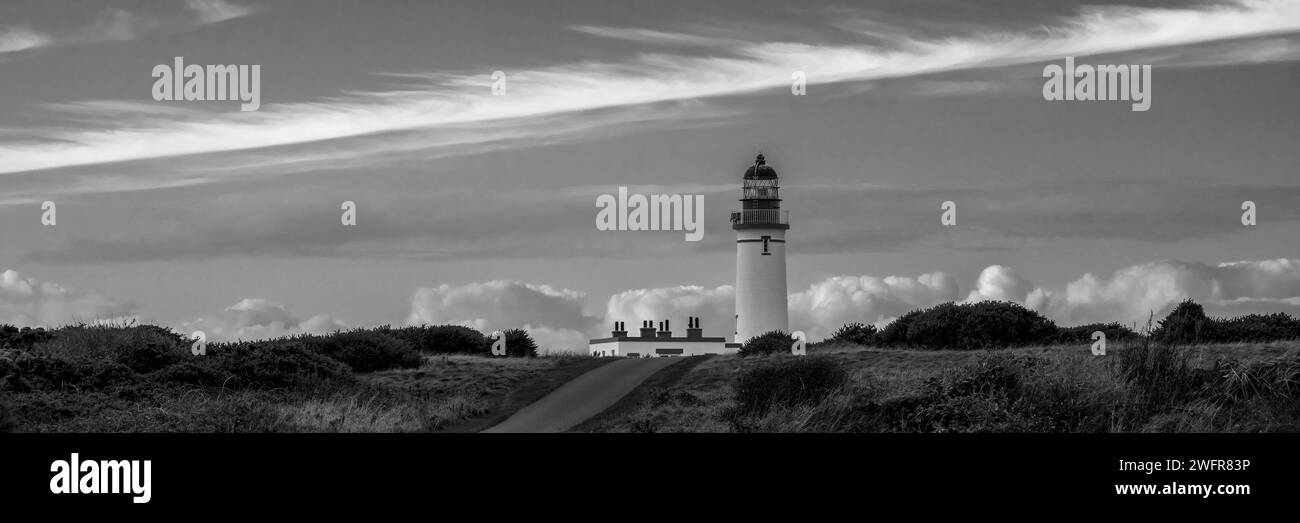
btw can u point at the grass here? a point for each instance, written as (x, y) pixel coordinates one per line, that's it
(1138, 388)
(128, 378)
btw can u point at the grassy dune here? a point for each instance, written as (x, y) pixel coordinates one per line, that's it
(1207, 388)
(143, 379)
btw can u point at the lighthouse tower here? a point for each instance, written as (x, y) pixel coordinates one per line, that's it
(760, 227)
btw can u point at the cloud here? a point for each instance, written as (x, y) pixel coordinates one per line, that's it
(742, 68)
(714, 306)
(558, 222)
(256, 318)
(30, 302)
(1130, 295)
(1000, 283)
(19, 38)
(114, 24)
(830, 303)
(650, 36)
(213, 11)
(554, 317)
(1133, 293)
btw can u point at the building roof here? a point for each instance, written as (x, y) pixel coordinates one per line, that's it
(760, 170)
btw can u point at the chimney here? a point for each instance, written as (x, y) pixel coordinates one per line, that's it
(619, 331)
(664, 331)
(647, 329)
(693, 329)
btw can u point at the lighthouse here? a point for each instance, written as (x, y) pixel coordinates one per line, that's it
(760, 227)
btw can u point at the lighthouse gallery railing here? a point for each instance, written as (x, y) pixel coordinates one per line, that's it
(761, 217)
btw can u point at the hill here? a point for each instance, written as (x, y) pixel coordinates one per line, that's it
(145, 379)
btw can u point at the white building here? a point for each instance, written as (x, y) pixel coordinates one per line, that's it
(760, 228)
(761, 305)
(661, 343)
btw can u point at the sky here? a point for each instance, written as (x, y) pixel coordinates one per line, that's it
(477, 206)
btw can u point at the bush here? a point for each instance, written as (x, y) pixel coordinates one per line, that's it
(149, 356)
(192, 373)
(7, 420)
(1082, 334)
(366, 350)
(770, 342)
(22, 338)
(282, 363)
(895, 334)
(442, 339)
(856, 333)
(31, 372)
(1255, 328)
(787, 382)
(1183, 325)
(983, 325)
(519, 344)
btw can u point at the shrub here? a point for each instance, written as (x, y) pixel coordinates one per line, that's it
(22, 338)
(983, 325)
(1183, 325)
(1082, 334)
(519, 344)
(149, 356)
(282, 363)
(113, 343)
(786, 382)
(855, 332)
(11, 376)
(441, 339)
(7, 420)
(42, 372)
(767, 343)
(366, 350)
(1256, 328)
(895, 334)
(192, 373)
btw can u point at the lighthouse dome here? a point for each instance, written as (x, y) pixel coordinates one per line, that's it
(760, 170)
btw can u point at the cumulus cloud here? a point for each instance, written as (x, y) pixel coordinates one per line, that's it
(256, 318)
(1133, 293)
(830, 303)
(1000, 283)
(1129, 295)
(554, 317)
(28, 301)
(715, 307)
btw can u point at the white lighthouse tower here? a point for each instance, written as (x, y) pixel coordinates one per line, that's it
(760, 227)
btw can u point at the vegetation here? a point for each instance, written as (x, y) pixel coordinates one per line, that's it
(983, 325)
(1142, 387)
(91, 378)
(995, 325)
(786, 383)
(767, 343)
(856, 333)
